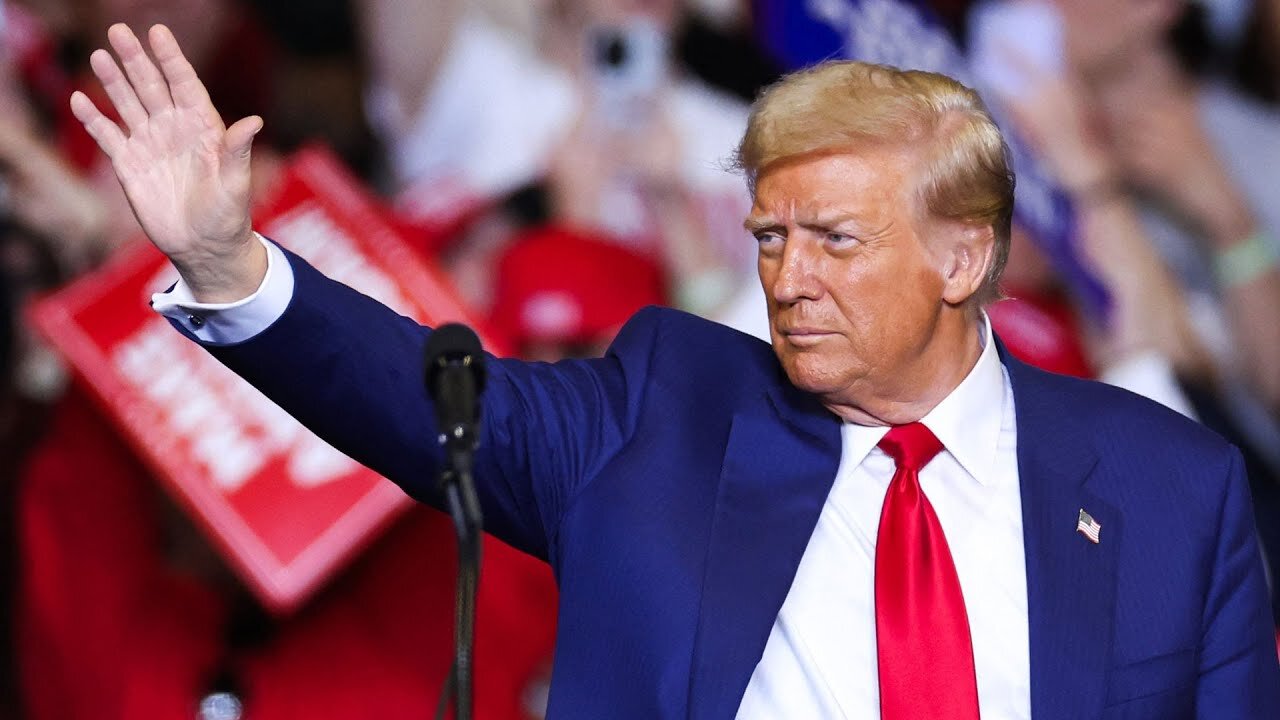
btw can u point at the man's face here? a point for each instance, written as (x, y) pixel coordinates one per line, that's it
(853, 289)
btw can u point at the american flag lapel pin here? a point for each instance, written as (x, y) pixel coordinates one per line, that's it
(1087, 526)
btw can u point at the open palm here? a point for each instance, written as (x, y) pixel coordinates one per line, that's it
(186, 174)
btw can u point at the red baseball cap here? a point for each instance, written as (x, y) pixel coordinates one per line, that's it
(562, 285)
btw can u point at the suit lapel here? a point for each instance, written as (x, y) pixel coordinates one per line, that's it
(773, 484)
(1070, 580)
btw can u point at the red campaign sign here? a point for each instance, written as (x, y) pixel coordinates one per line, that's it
(285, 508)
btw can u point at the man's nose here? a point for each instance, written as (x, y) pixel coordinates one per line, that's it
(797, 274)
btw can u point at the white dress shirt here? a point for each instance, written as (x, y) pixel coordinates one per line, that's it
(820, 659)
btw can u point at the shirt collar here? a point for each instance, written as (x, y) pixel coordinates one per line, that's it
(966, 422)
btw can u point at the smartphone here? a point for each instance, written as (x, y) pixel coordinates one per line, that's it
(1031, 30)
(628, 63)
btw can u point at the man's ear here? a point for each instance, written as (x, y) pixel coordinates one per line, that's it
(967, 252)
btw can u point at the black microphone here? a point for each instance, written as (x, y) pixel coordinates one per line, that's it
(455, 378)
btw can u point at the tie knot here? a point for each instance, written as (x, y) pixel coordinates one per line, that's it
(911, 446)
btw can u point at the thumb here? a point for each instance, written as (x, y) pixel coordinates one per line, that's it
(239, 139)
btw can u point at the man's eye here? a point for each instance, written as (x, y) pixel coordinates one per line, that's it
(767, 238)
(840, 238)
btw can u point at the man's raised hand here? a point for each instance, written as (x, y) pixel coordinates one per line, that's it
(186, 174)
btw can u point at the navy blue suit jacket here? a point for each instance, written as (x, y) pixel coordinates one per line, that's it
(673, 486)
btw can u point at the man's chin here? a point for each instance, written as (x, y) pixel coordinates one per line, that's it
(804, 376)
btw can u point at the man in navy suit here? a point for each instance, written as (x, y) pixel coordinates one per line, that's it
(883, 514)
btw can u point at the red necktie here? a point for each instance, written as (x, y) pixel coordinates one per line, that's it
(922, 631)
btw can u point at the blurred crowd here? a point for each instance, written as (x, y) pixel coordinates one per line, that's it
(566, 162)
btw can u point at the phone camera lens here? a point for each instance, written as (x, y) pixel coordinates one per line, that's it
(614, 51)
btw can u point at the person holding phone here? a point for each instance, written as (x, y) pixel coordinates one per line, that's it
(592, 110)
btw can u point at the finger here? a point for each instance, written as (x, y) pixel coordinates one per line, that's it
(99, 127)
(240, 135)
(147, 81)
(185, 87)
(239, 141)
(118, 89)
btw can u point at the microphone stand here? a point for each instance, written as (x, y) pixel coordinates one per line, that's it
(464, 509)
(454, 379)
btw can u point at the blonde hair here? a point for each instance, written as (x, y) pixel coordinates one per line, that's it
(835, 106)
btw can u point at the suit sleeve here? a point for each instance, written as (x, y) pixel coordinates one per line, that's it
(351, 370)
(1239, 670)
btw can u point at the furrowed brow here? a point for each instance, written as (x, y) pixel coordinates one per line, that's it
(759, 224)
(832, 220)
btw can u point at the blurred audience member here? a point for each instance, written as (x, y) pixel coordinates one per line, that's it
(1150, 318)
(46, 197)
(1203, 161)
(43, 194)
(564, 293)
(54, 228)
(53, 225)
(620, 140)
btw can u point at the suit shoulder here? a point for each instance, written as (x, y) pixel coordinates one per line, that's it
(1154, 456)
(695, 346)
(1127, 418)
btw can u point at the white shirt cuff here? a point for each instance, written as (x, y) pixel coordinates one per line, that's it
(233, 322)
